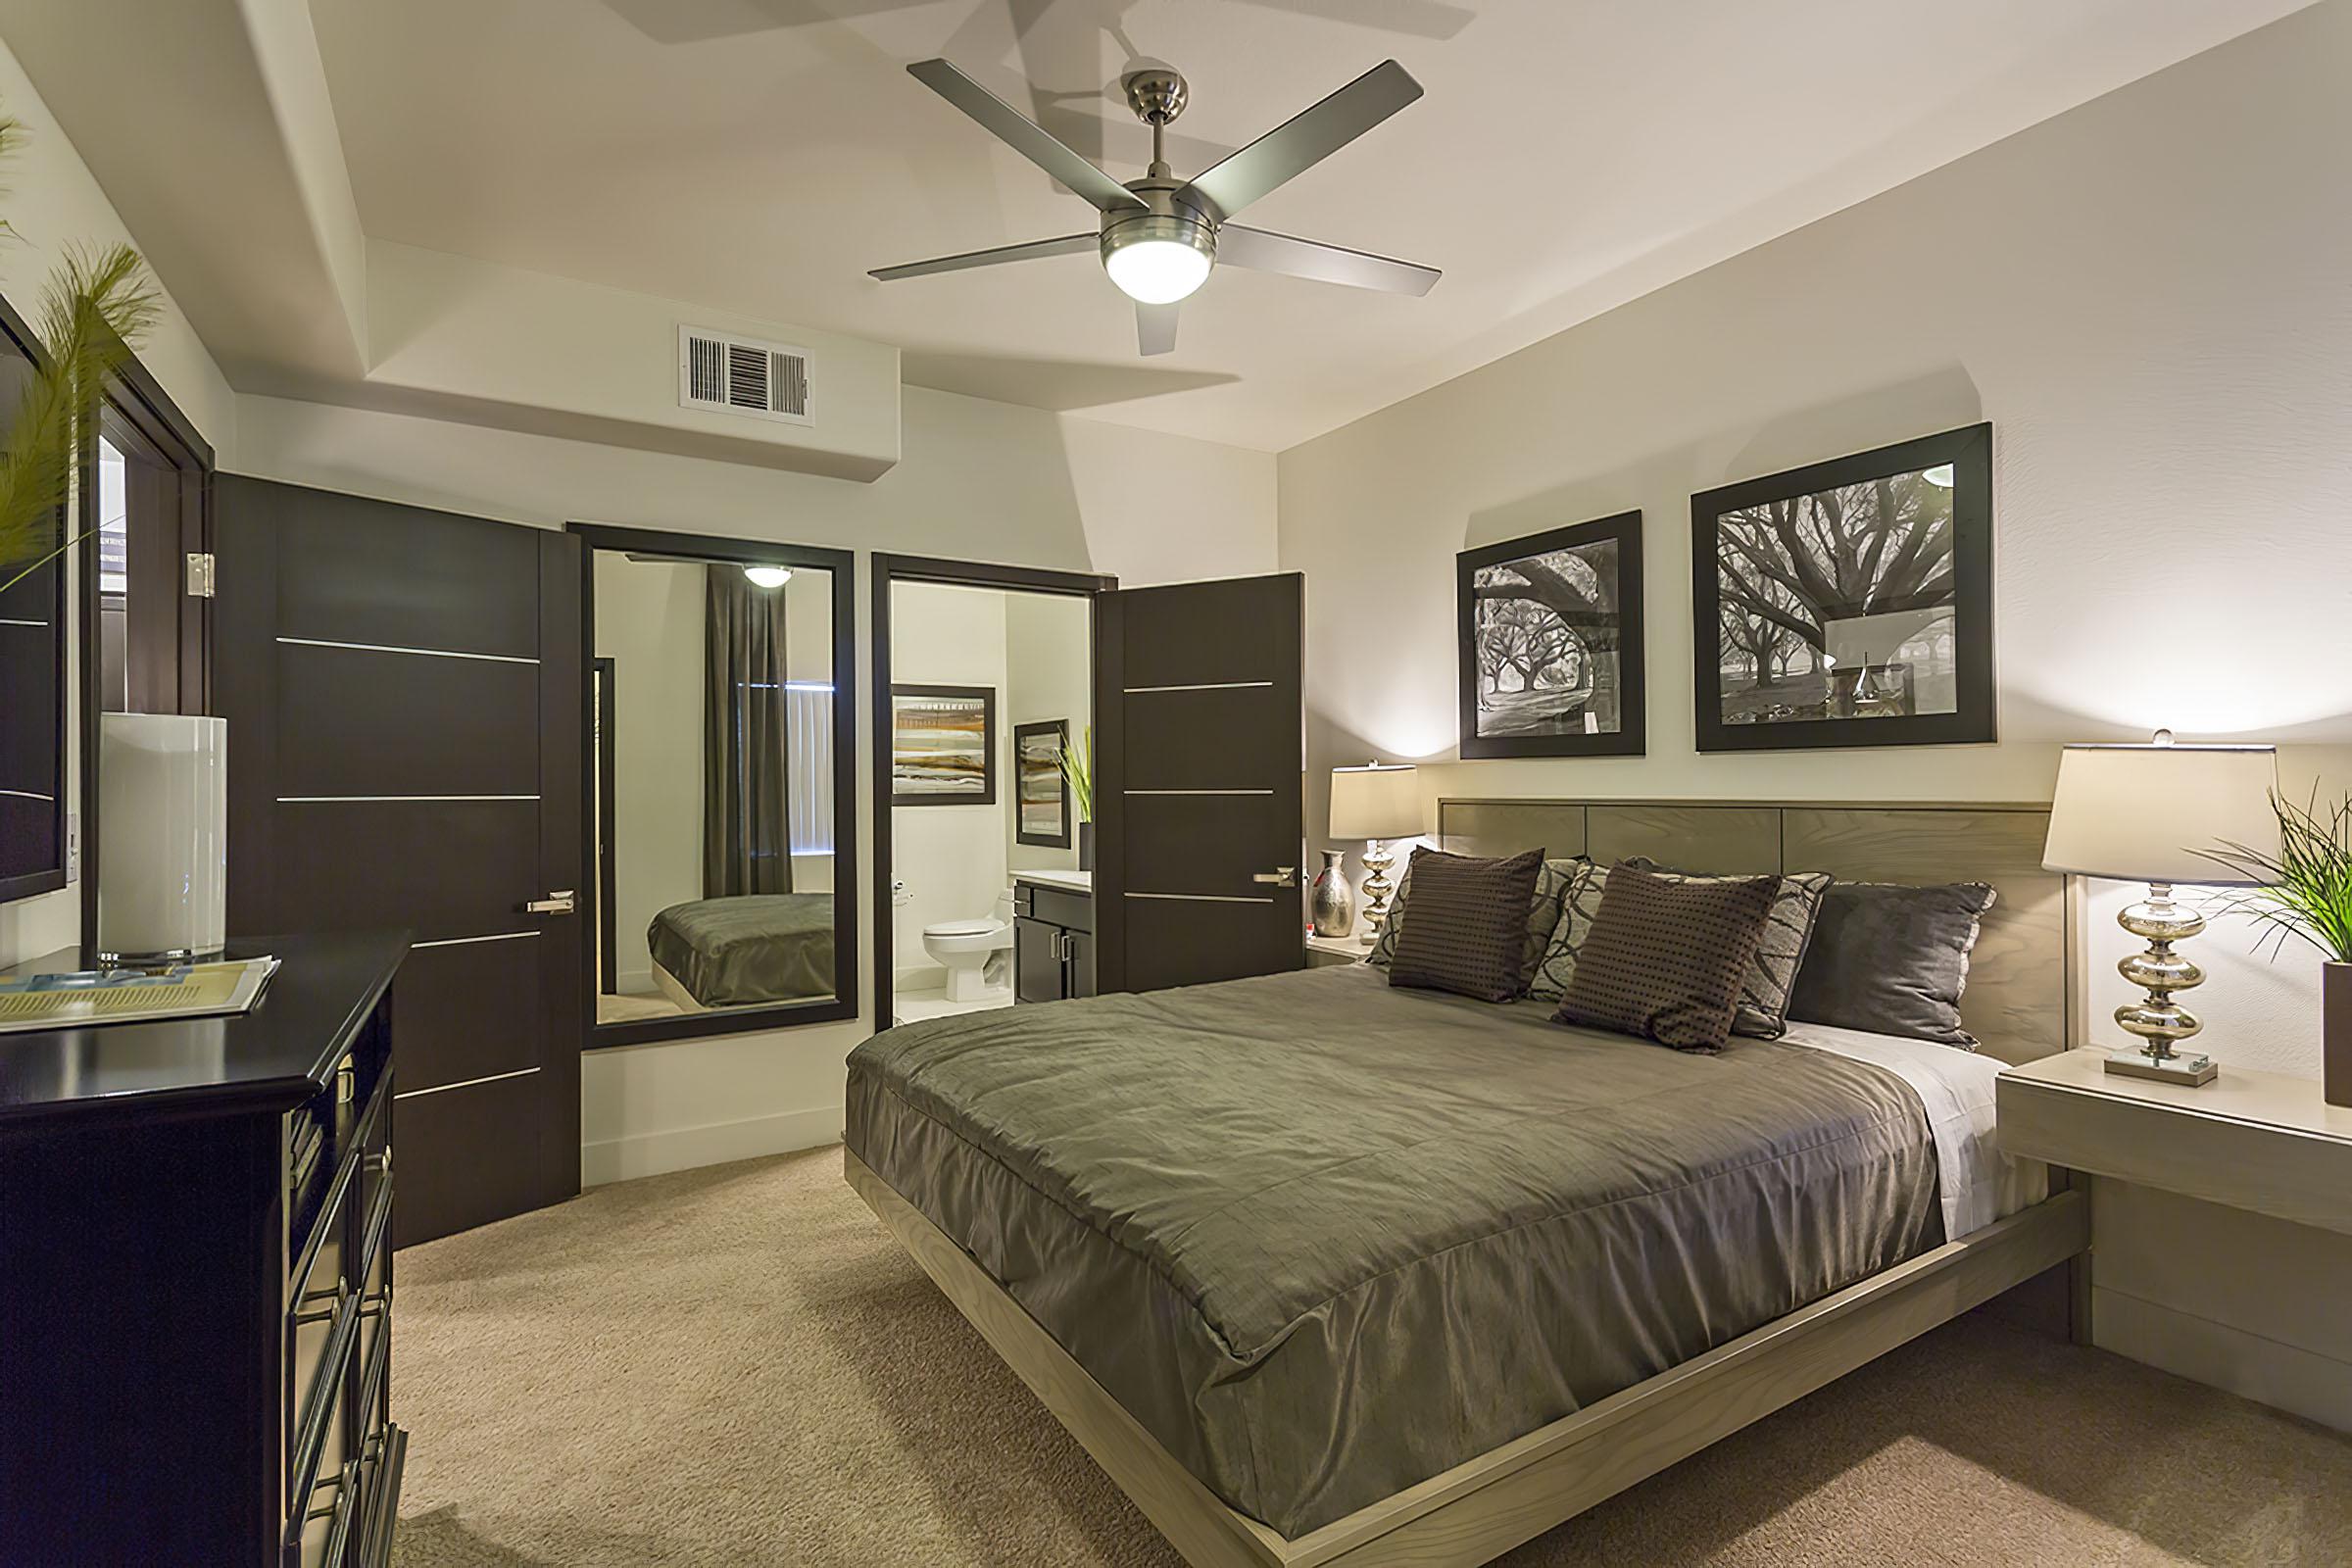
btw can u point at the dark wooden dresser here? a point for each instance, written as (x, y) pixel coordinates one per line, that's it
(196, 1279)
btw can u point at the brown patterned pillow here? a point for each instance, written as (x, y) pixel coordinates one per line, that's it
(1665, 959)
(1544, 907)
(1469, 928)
(1763, 1010)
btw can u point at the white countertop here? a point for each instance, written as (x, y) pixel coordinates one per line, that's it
(1069, 881)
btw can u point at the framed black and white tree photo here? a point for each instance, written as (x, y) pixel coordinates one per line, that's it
(1550, 660)
(1848, 603)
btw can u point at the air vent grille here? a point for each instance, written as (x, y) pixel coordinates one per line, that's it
(743, 376)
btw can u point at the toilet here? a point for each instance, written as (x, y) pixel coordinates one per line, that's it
(966, 947)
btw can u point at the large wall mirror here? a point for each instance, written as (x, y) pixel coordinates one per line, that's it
(721, 776)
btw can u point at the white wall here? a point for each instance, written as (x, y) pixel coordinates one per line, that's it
(51, 203)
(1049, 673)
(978, 481)
(2146, 295)
(952, 857)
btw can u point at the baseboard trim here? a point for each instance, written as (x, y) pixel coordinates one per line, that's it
(2316, 1386)
(617, 1159)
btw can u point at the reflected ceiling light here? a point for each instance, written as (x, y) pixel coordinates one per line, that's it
(1941, 476)
(768, 576)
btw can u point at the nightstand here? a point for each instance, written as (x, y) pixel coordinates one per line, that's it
(2221, 1222)
(2249, 1139)
(1323, 953)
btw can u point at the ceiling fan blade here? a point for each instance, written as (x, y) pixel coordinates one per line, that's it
(1300, 143)
(1067, 245)
(1155, 328)
(1265, 252)
(1024, 135)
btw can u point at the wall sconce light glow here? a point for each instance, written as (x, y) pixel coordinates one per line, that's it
(1941, 476)
(768, 576)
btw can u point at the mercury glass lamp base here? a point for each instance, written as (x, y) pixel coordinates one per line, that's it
(2193, 1070)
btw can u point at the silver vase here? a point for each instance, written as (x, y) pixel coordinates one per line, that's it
(1334, 904)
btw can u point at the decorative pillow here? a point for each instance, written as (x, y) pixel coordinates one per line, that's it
(1892, 959)
(1763, 1011)
(1557, 965)
(1543, 910)
(1664, 959)
(1469, 929)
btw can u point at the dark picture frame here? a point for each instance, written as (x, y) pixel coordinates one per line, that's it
(1813, 572)
(1057, 732)
(981, 703)
(1593, 630)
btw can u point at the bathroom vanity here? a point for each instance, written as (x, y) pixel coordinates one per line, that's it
(1052, 935)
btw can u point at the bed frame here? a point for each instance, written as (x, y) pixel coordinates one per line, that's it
(2020, 1002)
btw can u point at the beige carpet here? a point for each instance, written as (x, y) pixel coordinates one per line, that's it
(736, 1367)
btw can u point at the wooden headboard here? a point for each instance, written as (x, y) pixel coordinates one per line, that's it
(2019, 1001)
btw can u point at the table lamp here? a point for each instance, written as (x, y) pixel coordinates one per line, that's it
(2144, 814)
(1376, 804)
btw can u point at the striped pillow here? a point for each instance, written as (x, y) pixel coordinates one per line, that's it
(1763, 1012)
(1469, 929)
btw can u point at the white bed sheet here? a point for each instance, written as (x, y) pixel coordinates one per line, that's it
(1980, 1184)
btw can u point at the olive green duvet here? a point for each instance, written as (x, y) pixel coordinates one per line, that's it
(1324, 1238)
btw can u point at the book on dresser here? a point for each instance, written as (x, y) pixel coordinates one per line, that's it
(196, 1277)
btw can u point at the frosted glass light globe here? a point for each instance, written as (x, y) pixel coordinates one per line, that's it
(768, 576)
(1156, 272)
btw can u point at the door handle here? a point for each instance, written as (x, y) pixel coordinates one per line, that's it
(553, 904)
(1282, 876)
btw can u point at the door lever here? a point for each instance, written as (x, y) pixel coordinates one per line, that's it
(1282, 876)
(553, 904)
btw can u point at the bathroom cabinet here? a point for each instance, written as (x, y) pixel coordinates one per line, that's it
(1052, 943)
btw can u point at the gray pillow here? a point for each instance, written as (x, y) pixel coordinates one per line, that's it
(1891, 960)
(1543, 913)
(1665, 958)
(1763, 1010)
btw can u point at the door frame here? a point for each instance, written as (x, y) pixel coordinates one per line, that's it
(133, 395)
(723, 549)
(888, 571)
(604, 714)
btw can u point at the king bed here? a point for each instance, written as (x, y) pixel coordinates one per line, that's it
(1326, 1270)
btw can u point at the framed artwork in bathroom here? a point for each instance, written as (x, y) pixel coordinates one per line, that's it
(943, 746)
(1041, 794)
(1548, 661)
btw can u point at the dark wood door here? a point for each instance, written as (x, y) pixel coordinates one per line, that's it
(403, 691)
(1197, 757)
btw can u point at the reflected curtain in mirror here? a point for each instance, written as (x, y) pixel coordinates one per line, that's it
(747, 830)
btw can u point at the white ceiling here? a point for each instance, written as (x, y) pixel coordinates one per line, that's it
(760, 156)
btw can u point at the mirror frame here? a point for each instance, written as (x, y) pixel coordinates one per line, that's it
(844, 1002)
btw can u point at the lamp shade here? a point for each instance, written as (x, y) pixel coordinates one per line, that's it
(1375, 802)
(2141, 813)
(163, 833)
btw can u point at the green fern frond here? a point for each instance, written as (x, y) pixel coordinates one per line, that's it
(99, 303)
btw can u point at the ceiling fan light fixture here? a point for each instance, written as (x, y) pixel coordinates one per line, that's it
(1159, 260)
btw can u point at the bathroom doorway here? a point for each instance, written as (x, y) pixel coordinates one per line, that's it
(983, 692)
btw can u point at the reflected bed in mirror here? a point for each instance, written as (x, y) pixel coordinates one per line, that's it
(720, 737)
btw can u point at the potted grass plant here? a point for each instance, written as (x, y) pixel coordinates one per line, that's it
(99, 303)
(1078, 768)
(2305, 892)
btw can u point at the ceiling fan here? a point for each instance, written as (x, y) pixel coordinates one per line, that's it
(1161, 235)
